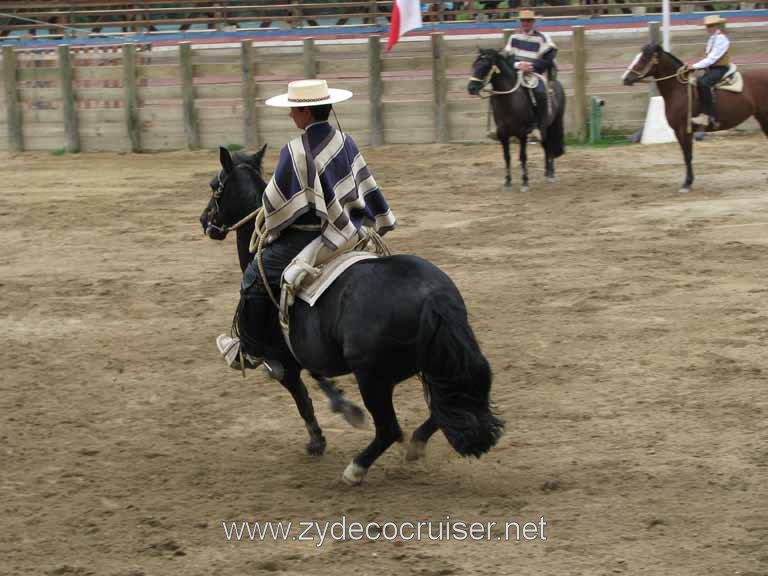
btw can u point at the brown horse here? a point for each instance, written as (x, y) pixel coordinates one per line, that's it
(671, 78)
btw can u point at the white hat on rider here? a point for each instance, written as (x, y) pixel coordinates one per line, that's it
(526, 15)
(713, 20)
(302, 93)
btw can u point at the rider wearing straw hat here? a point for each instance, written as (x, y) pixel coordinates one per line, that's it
(715, 62)
(533, 51)
(322, 191)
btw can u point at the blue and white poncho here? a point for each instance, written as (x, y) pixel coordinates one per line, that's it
(323, 171)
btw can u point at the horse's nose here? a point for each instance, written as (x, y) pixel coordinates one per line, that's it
(472, 89)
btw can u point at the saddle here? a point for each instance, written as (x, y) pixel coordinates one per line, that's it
(310, 275)
(731, 82)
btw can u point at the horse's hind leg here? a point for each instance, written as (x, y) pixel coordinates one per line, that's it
(524, 162)
(507, 162)
(418, 445)
(293, 383)
(762, 119)
(377, 396)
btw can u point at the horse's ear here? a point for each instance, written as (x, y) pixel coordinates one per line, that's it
(258, 157)
(226, 159)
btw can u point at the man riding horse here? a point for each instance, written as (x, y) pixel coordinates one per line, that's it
(321, 193)
(715, 62)
(529, 51)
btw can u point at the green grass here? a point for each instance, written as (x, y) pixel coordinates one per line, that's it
(234, 147)
(59, 152)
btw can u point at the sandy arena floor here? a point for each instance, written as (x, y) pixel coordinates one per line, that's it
(626, 326)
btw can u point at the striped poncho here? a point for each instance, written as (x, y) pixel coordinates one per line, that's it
(322, 171)
(529, 47)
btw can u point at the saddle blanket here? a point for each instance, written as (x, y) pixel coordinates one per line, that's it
(733, 83)
(314, 287)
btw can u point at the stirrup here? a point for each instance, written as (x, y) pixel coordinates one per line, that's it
(230, 348)
(702, 120)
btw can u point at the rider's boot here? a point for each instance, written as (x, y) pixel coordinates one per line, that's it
(539, 114)
(230, 349)
(248, 350)
(707, 107)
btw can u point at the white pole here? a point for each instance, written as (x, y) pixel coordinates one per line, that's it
(665, 24)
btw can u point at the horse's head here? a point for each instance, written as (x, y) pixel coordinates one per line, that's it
(235, 191)
(482, 70)
(644, 64)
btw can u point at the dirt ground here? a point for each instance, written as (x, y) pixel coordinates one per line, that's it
(625, 323)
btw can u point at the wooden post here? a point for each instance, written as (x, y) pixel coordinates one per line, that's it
(654, 35)
(373, 9)
(507, 33)
(249, 106)
(439, 89)
(12, 108)
(374, 90)
(68, 101)
(188, 96)
(296, 12)
(310, 58)
(580, 83)
(131, 97)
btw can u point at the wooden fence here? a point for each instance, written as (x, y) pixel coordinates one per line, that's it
(56, 18)
(142, 97)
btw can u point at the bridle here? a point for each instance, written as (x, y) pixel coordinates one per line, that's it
(484, 92)
(653, 61)
(222, 178)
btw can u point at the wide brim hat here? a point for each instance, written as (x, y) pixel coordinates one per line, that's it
(302, 93)
(526, 15)
(713, 20)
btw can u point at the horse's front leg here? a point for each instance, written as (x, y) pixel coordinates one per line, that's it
(685, 139)
(507, 161)
(351, 412)
(293, 383)
(524, 162)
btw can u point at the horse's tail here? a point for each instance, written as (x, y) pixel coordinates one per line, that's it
(457, 376)
(554, 139)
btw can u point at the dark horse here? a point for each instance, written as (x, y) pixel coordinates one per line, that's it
(731, 108)
(513, 112)
(383, 320)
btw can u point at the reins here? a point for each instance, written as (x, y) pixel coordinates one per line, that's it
(488, 92)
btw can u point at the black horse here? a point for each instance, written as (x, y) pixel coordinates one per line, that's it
(416, 325)
(513, 112)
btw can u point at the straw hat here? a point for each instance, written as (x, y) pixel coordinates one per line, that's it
(309, 93)
(713, 20)
(526, 15)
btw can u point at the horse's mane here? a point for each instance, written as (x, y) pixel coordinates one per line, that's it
(649, 49)
(251, 160)
(500, 61)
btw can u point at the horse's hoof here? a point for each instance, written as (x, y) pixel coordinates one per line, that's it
(524, 188)
(416, 451)
(684, 190)
(353, 414)
(507, 185)
(316, 446)
(354, 474)
(551, 179)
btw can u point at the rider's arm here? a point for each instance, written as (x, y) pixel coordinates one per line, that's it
(546, 61)
(720, 47)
